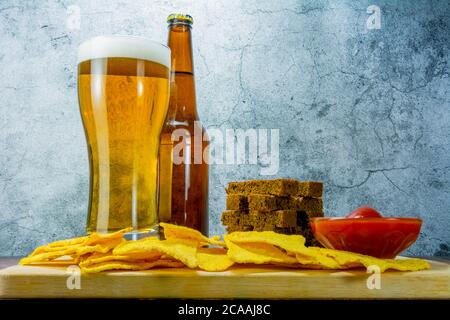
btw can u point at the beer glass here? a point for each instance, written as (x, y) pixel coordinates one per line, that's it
(123, 90)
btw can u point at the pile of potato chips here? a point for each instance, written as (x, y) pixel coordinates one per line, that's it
(187, 247)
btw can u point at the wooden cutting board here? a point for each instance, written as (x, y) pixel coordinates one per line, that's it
(238, 282)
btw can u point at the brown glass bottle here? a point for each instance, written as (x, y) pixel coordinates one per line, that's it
(183, 172)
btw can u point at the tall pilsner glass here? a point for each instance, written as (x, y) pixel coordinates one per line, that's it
(123, 90)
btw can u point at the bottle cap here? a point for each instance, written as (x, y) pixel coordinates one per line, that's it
(179, 18)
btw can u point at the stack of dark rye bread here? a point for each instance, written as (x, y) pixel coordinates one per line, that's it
(280, 205)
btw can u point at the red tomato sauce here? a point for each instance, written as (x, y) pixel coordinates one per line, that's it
(377, 237)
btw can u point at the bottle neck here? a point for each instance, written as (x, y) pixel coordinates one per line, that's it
(180, 44)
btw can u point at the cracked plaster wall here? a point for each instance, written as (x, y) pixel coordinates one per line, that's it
(366, 111)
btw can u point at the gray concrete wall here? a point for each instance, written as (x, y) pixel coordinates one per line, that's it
(366, 111)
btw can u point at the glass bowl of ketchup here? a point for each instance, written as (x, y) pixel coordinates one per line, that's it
(365, 231)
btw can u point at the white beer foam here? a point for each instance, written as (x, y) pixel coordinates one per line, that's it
(124, 47)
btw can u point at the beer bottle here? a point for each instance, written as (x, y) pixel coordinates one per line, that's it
(183, 172)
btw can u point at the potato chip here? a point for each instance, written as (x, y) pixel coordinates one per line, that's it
(60, 261)
(311, 257)
(407, 264)
(75, 247)
(172, 231)
(102, 247)
(348, 260)
(290, 243)
(213, 259)
(215, 240)
(40, 250)
(316, 260)
(45, 256)
(258, 253)
(105, 257)
(126, 265)
(183, 246)
(58, 245)
(97, 238)
(185, 251)
(67, 242)
(93, 238)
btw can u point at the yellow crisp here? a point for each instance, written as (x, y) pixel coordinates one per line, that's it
(172, 231)
(102, 247)
(317, 261)
(346, 260)
(106, 257)
(46, 256)
(73, 243)
(407, 264)
(65, 242)
(290, 243)
(75, 247)
(127, 265)
(61, 244)
(314, 259)
(215, 240)
(307, 257)
(213, 259)
(183, 246)
(58, 262)
(96, 238)
(184, 251)
(258, 253)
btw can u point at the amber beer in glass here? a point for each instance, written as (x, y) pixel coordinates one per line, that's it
(123, 90)
(183, 184)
